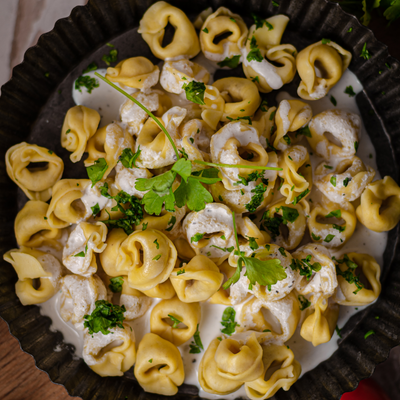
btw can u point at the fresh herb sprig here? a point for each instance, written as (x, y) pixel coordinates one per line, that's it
(228, 321)
(305, 267)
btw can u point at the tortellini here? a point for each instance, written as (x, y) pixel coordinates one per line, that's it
(216, 24)
(319, 326)
(241, 97)
(344, 126)
(159, 366)
(108, 142)
(32, 228)
(78, 297)
(296, 174)
(290, 116)
(380, 205)
(134, 72)
(223, 296)
(346, 181)
(152, 28)
(188, 314)
(267, 41)
(320, 67)
(348, 294)
(80, 124)
(281, 323)
(106, 355)
(196, 281)
(281, 370)
(331, 232)
(135, 302)
(126, 178)
(31, 265)
(146, 257)
(35, 182)
(163, 290)
(79, 254)
(176, 73)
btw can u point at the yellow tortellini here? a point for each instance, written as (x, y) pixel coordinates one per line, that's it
(295, 225)
(106, 355)
(126, 178)
(213, 107)
(79, 254)
(344, 126)
(323, 280)
(209, 379)
(267, 40)
(279, 290)
(380, 205)
(146, 257)
(188, 314)
(135, 72)
(210, 227)
(281, 322)
(331, 232)
(350, 177)
(32, 228)
(31, 265)
(176, 73)
(111, 258)
(163, 290)
(320, 67)
(348, 294)
(159, 366)
(65, 207)
(241, 97)
(196, 281)
(318, 327)
(281, 370)
(78, 297)
(108, 142)
(135, 302)
(216, 24)
(80, 124)
(156, 149)
(290, 116)
(152, 28)
(296, 174)
(36, 182)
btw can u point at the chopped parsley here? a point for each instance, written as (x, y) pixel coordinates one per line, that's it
(301, 196)
(196, 237)
(254, 53)
(97, 170)
(157, 244)
(175, 321)
(259, 22)
(116, 284)
(195, 91)
(197, 345)
(247, 118)
(305, 267)
(282, 251)
(128, 158)
(255, 79)
(87, 82)
(338, 331)
(304, 131)
(171, 223)
(205, 30)
(272, 223)
(356, 146)
(346, 181)
(111, 56)
(325, 41)
(315, 237)
(333, 101)
(304, 303)
(180, 272)
(348, 274)
(232, 62)
(365, 53)
(228, 321)
(369, 333)
(349, 90)
(334, 214)
(257, 199)
(252, 243)
(106, 315)
(333, 181)
(91, 67)
(339, 228)
(95, 209)
(157, 257)
(329, 238)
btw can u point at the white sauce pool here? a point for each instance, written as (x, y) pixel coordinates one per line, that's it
(107, 101)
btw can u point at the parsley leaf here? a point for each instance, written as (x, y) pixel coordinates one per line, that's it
(349, 90)
(228, 321)
(116, 284)
(300, 196)
(103, 317)
(195, 91)
(183, 167)
(315, 237)
(329, 238)
(97, 170)
(171, 222)
(325, 41)
(197, 345)
(339, 228)
(257, 199)
(346, 181)
(80, 254)
(95, 209)
(254, 53)
(334, 214)
(304, 303)
(304, 131)
(87, 82)
(348, 274)
(175, 321)
(232, 62)
(333, 181)
(205, 30)
(193, 194)
(197, 237)
(305, 267)
(252, 243)
(259, 22)
(157, 257)
(128, 158)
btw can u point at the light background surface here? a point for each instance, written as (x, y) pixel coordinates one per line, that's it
(21, 24)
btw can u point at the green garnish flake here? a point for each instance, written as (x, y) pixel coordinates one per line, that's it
(257, 199)
(157, 244)
(338, 331)
(286, 138)
(350, 30)
(228, 321)
(304, 131)
(151, 360)
(180, 272)
(95, 209)
(254, 53)
(87, 82)
(349, 90)
(247, 118)
(365, 53)
(325, 41)
(255, 79)
(260, 22)
(111, 56)
(196, 237)
(232, 62)
(205, 30)
(157, 257)
(301, 196)
(116, 284)
(315, 237)
(334, 214)
(356, 146)
(144, 226)
(197, 345)
(106, 315)
(304, 303)
(175, 321)
(348, 274)
(91, 67)
(50, 151)
(328, 167)
(282, 251)
(339, 228)
(171, 223)
(97, 170)
(305, 267)
(333, 101)
(369, 333)
(252, 243)
(275, 4)
(346, 181)
(195, 92)
(333, 181)
(81, 254)
(128, 158)
(329, 238)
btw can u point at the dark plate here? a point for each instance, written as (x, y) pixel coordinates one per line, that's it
(32, 109)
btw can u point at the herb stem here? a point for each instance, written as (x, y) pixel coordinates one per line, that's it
(103, 78)
(236, 166)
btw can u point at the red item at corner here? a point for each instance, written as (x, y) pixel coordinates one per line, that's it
(367, 389)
